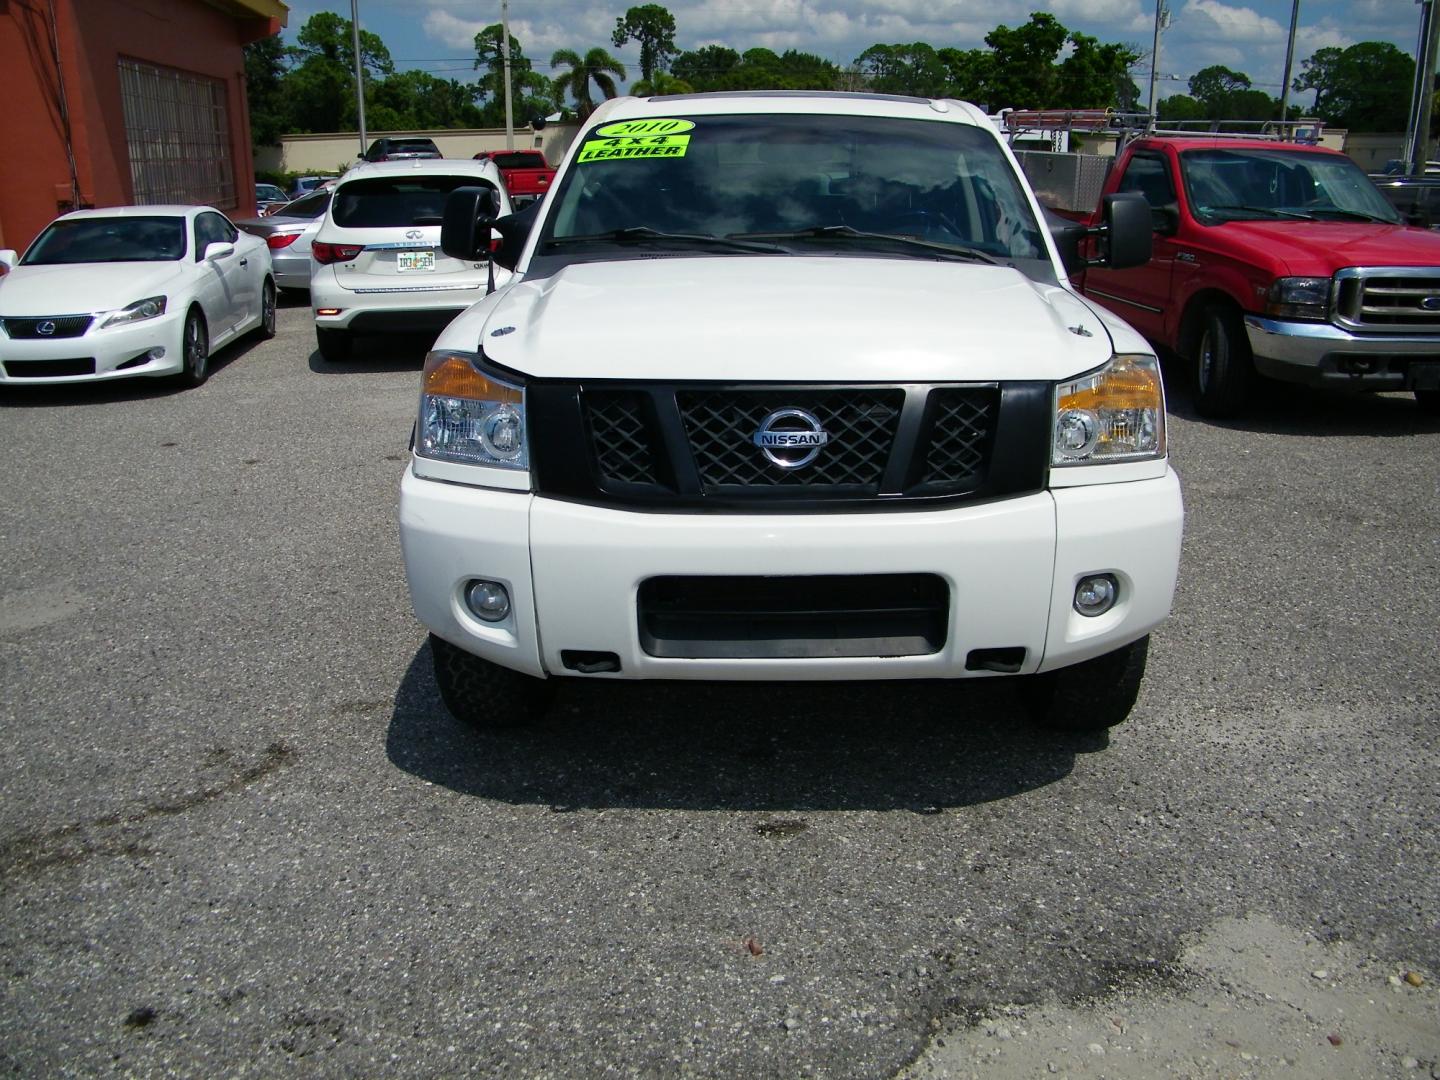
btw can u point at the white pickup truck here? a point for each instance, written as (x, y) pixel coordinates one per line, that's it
(790, 387)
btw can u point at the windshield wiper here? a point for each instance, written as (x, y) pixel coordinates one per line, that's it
(847, 232)
(1271, 211)
(642, 234)
(1351, 215)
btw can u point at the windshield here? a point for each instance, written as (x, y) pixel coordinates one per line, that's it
(117, 239)
(520, 159)
(383, 202)
(1259, 184)
(816, 181)
(309, 206)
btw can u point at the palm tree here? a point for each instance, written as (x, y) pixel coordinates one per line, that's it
(660, 85)
(595, 66)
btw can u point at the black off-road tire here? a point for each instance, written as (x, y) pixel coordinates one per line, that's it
(335, 345)
(1429, 401)
(486, 696)
(1089, 696)
(1223, 365)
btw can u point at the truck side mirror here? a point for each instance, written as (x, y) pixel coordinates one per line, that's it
(1128, 236)
(1067, 235)
(465, 226)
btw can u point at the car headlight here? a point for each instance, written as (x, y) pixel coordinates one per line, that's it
(1114, 414)
(149, 308)
(1299, 298)
(470, 415)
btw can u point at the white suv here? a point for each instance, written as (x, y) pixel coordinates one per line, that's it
(376, 264)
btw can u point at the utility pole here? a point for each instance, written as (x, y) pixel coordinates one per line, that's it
(359, 71)
(505, 57)
(1289, 63)
(1162, 20)
(1423, 97)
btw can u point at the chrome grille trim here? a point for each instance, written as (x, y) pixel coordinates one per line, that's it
(1387, 299)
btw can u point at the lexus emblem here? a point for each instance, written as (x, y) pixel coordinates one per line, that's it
(791, 437)
(47, 328)
(414, 234)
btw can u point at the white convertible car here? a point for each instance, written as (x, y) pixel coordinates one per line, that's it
(131, 291)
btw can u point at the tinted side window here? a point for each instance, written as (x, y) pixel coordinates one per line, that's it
(1150, 176)
(212, 229)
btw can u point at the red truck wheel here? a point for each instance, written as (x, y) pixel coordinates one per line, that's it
(1224, 368)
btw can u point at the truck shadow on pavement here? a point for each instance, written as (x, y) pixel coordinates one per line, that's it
(388, 352)
(1284, 409)
(922, 747)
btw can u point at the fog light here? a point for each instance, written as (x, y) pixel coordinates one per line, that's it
(1096, 594)
(327, 311)
(157, 353)
(488, 600)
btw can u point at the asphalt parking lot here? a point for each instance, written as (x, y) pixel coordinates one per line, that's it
(240, 836)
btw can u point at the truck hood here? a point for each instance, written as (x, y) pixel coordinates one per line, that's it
(1318, 249)
(779, 318)
(81, 288)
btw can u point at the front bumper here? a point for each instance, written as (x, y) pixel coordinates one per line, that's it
(1322, 354)
(120, 352)
(574, 573)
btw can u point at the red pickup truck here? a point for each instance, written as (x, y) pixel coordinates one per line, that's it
(1280, 260)
(526, 173)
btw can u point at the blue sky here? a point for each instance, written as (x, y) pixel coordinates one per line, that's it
(1250, 37)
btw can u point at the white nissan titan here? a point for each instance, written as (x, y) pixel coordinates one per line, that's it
(790, 386)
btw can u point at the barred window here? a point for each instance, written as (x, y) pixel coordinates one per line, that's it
(178, 132)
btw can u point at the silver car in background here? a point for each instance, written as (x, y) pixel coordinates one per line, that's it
(287, 232)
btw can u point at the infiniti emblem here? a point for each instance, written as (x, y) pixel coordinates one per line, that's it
(47, 328)
(791, 437)
(1430, 303)
(414, 234)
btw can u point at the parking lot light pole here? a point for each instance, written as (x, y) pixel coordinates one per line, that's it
(505, 56)
(359, 71)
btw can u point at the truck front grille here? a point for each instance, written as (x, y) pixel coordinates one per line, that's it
(1394, 299)
(695, 445)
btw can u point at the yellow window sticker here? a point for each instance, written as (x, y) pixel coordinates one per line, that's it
(629, 147)
(663, 125)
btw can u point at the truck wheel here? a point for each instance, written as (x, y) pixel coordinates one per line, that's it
(483, 695)
(1429, 401)
(1224, 368)
(1089, 696)
(334, 345)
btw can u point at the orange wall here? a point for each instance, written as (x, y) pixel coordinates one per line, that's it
(93, 35)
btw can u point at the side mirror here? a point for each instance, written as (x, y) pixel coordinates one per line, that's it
(8, 258)
(465, 226)
(1128, 236)
(1067, 235)
(218, 250)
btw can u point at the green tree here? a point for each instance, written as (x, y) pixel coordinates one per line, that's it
(1178, 107)
(530, 92)
(662, 84)
(1364, 88)
(914, 69)
(265, 68)
(320, 86)
(653, 27)
(1024, 74)
(417, 100)
(704, 68)
(596, 66)
(967, 73)
(1096, 76)
(1215, 88)
(326, 36)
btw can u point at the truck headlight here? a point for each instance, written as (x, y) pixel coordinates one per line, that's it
(151, 307)
(1299, 298)
(470, 415)
(1116, 413)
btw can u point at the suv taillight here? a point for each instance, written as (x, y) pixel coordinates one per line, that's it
(276, 241)
(333, 253)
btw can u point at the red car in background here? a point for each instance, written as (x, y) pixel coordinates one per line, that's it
(526, 173)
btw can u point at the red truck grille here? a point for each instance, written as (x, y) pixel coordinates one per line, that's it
(1395, 299)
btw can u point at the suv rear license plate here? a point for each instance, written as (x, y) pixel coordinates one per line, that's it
(408, 262)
